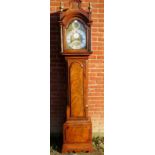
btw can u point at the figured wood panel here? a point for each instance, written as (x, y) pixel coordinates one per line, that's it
(77, 134)
(77, 90)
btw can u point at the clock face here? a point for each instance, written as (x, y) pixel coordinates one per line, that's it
(76, 36)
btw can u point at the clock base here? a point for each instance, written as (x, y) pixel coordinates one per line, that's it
(77, 136)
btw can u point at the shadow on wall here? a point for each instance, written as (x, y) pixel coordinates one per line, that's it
(58, 78)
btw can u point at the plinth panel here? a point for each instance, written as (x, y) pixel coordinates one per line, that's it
(77, 136)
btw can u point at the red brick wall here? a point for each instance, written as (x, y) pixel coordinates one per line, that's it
(95, 71)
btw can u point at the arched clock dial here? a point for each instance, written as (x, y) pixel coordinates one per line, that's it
(76, 36)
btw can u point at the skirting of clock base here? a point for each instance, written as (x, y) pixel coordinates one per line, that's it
(77, 136)
(77, 148)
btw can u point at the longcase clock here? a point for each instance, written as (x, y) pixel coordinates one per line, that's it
(75, 31)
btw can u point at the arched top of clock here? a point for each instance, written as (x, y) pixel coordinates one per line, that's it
(67, 16)
(77, 19)
(68, 19)
(75, 11)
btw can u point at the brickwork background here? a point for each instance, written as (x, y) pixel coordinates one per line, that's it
(95, 71)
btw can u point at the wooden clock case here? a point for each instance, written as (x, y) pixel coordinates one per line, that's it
(77, 130)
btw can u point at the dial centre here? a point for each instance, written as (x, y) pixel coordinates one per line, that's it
(76, 35)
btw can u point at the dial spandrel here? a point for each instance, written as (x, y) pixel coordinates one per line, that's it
(76, 36)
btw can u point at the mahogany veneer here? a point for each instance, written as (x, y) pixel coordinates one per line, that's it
(77, 130)
(77, 136)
